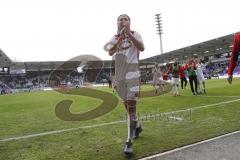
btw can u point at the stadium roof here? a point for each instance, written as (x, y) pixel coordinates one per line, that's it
(211, 47)
(215, 46)
(5, 61)
(62, 65)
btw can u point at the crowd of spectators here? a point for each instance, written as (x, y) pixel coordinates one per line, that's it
(36, 80)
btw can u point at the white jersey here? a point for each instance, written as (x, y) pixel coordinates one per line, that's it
(199, 72)
(175, 80)
(156, 75)
(127, 73)
(126, 58)
(130, 50)
(157, 71)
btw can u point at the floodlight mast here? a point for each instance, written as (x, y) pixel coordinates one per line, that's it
(158, 19)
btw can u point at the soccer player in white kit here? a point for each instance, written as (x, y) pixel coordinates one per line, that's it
(175, 70)
(156, 77)
(125, 47)
(200, 76)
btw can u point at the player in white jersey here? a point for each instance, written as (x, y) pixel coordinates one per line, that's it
(156, 77)
(200, 76)
(125, 47)
(175, 70)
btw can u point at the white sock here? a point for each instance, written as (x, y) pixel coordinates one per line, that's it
(132, 122)
(175, 88)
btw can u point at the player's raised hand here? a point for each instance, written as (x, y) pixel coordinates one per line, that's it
(127, 29)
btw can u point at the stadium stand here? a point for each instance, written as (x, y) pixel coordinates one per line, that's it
(15, 76)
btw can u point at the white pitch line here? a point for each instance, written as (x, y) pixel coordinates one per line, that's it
(59, 131)
(204, 106)
(219, 96)
(216, 104)
(188, 146)
(105, 124)
(202, 95)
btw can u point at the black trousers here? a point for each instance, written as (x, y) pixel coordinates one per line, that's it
(185, 82)
(193, 79)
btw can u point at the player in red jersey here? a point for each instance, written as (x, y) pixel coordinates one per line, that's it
(234, 56)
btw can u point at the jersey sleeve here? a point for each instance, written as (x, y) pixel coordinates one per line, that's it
(138, 37)
(113, 40)
(110, 43)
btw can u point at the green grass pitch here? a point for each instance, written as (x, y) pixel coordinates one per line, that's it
(32, 113)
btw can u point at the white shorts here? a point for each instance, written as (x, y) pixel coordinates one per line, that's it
(155, 80)
(200, 79)
(175, 80)
(161, 81)
(128, 89)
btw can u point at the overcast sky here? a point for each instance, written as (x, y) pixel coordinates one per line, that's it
(57, 30)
